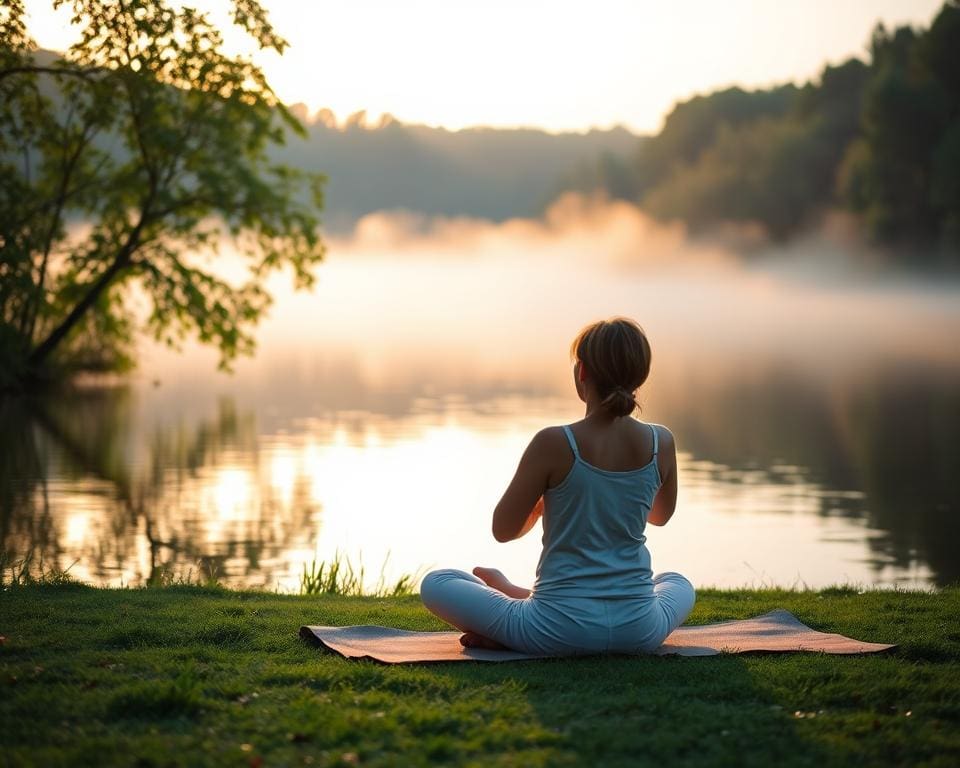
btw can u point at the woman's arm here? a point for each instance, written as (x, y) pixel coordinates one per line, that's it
(522, 502)
(666, 500)
(535, 514)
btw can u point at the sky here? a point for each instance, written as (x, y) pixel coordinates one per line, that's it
(558, 65)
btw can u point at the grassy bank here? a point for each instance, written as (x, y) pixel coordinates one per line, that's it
(193, 676)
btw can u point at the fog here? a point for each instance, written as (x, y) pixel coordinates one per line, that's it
(455, 299)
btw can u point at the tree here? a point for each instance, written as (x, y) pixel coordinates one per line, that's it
(766, 157)
(901, 175)
(125, 165)
(692, 127)
(755, 172)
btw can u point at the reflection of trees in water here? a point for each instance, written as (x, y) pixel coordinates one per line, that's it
(148, 492)
(24, 499)
(892, 433)
(904, 437)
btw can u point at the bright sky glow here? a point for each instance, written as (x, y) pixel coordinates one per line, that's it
(559, 65)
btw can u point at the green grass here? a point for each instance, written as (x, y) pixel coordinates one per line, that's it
(339, 577)
(189, 675)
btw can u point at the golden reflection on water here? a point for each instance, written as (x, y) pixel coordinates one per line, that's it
(398, 498)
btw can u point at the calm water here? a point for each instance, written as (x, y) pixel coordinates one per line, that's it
(818, 420)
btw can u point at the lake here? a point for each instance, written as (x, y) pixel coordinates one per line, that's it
(815, 401)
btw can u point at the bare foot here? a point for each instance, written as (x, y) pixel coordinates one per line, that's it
(494, 578)
(473, 640)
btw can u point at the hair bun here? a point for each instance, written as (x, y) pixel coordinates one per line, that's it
(620, 402)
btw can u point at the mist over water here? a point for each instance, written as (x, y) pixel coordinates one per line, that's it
(813, 395)
(499, 297)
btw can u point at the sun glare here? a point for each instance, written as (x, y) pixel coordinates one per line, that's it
(232, 491)
(283, 474)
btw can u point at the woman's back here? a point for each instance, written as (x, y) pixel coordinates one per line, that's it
(596, 485)
(594, 518)
(618, 446)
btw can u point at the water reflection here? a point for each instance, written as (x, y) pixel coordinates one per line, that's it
(882, 449)
(784, 480)
(88, 485)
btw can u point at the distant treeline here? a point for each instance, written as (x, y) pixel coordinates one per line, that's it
(488, 173)
(479, 172)
(879, 138)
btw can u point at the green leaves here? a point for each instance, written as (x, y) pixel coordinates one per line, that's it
(187, 299)
(876, 137)
(142, 146)
(900, 174)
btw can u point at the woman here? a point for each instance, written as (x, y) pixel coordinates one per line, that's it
(596, 484)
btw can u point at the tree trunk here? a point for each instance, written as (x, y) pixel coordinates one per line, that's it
(39, 355)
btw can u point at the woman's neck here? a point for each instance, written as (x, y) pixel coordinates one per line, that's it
(595, 412)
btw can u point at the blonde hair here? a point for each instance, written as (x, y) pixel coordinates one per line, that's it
(616, 355)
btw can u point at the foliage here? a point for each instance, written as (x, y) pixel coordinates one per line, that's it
(767, 156)
(124, 165)
(693, 126)
(902, 173)
(880, 138)
(732, 178)
(186, 676)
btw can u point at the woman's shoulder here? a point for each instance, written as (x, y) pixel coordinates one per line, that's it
(552, 446)
(550, 438)
(663, 432)
(554, 451)
(664, 437)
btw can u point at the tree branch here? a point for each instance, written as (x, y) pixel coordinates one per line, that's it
(31, 69)
(121, 262)
(69, 166)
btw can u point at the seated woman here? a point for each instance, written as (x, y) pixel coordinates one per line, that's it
(596, 484)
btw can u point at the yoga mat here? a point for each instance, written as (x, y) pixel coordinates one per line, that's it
(777, 631)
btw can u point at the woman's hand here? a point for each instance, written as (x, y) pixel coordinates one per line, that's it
(496, 579)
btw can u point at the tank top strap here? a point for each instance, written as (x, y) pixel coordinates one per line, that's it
(573, 443)
(656, 441)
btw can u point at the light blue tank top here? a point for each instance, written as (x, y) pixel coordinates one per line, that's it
(593, 523)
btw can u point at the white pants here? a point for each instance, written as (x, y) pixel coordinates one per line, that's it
(560, 626)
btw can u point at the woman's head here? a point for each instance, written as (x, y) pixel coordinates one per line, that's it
(614, 355)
